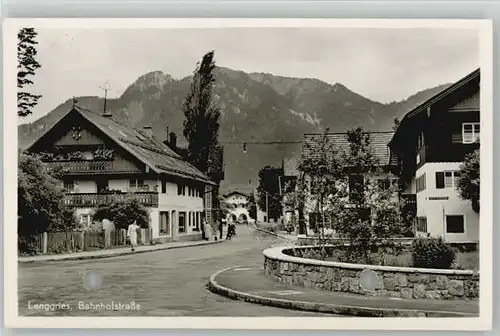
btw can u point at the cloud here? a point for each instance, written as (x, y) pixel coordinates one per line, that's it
(381, 64)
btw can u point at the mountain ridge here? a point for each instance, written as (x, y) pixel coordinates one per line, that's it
(250, 103)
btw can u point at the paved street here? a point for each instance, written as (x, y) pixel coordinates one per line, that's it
(163, 283)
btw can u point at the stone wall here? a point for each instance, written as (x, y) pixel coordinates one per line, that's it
(400, 282)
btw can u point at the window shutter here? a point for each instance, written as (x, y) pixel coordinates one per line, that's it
(439, 180)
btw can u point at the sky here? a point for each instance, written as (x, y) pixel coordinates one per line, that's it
(381, 64)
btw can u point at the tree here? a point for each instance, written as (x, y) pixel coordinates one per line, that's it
(26, 67)
(397, 122)
(341, 194)
(201, 126)
(122, 214)
(252, 207)
(268, 191)
(41, 205)
(469, 180)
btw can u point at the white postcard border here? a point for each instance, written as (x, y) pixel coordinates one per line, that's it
(13, 320)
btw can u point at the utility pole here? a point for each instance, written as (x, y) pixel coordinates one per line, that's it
(106, 88)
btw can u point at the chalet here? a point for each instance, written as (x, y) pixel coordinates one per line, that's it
(431, 143)
(103, 161)
(384, 176)
(238, 206)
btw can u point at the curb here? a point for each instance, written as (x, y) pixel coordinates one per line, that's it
(270, 233)
(112, 255)
(319, 307)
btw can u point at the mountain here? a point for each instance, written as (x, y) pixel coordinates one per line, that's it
(254, 107)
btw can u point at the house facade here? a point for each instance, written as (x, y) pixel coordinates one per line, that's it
(238, 206)
(101, 161)
(385, 176)
(431, 143)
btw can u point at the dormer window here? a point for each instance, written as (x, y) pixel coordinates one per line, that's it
(470, 132)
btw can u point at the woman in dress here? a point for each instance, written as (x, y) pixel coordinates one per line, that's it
(132, 234)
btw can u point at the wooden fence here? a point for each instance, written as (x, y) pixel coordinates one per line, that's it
(78, 241)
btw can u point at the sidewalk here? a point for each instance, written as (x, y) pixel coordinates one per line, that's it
(115, 252)
(251, 285)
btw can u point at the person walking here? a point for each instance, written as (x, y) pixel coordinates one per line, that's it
(132, 234)
(221, 229)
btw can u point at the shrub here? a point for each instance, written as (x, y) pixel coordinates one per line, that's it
(41, 205)
(123, 213)
(432, 253)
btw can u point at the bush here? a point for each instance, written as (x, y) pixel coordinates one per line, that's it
(432, 253)
(41, 205)
(122, 214)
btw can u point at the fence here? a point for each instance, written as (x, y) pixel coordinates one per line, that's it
(78, 241)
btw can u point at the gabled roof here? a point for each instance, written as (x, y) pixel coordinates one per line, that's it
(234, 193)
(422, 108)
(155, 154)
(378, 141)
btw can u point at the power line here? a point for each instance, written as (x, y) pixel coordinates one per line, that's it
(259, 142)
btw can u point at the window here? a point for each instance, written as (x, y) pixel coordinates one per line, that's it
(447, 179)
(455, 224)
(181, 190)
(384, 184)
(420, 141)
(356, 188)
(164, 223)
(85, 220)
(69, 186)
(197, 221)
(470, 132)
(418, 158)
(182, 222)
(421, 224)
(163, 186)
(136, 183)
(102, 185)
(420, 183)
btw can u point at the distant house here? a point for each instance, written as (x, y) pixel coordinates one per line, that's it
(385, 178)
(238, 207)
(431, 143)
(104, 161)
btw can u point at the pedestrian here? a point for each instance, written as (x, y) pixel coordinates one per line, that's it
(221, 229)
(132, 234)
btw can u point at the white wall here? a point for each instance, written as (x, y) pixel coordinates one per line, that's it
(85, 187)
(167, 202)
(436, 209)
(237, 206)
(174, 204)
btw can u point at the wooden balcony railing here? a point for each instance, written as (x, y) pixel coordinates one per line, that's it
(84, 200)
(84, 166)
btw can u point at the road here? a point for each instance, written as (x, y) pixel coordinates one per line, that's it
(163, 283)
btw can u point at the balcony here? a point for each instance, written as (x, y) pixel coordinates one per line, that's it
(83, 166)
(90, 200)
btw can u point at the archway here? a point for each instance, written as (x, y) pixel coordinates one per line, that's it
(243, 217)
(233, 218)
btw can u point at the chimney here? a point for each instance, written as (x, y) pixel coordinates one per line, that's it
(172, 140)
(149, 131)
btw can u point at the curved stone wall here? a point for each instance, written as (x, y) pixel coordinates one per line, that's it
(402, 282)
